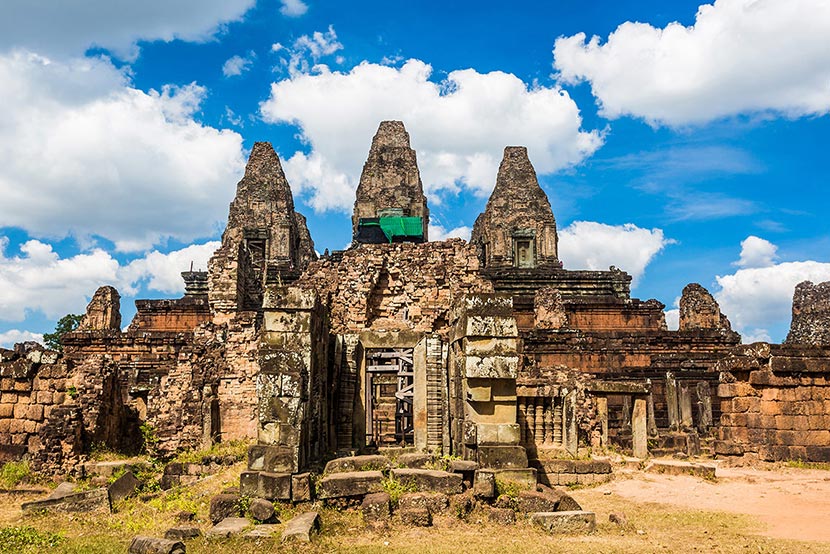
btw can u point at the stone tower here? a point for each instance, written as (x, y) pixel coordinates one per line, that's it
(517, 228)
(390, 205)
(265, 241)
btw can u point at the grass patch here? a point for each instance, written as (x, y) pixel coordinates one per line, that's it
(237, 449)
(14, 473)
(396, 488)
(14, 540)
(801, 464)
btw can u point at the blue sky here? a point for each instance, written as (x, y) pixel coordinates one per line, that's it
(684, 143)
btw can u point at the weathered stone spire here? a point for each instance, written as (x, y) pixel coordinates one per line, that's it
(700, 310)
(390, 184)
(265, 240)
(103, 312)
(811, 314)
(517, 227)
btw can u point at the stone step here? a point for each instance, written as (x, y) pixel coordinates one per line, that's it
(368, 462)
(353, 483)
(565, 522)
(671, 467)
(502, 457)
(301, 527)
(524, 478)
(228, 527)
(430, 480)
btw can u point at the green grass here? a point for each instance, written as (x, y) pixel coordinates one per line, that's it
(19, 539)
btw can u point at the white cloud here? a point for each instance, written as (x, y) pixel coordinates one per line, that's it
(293, 8)
(39, 280)
(758, 300)
(673, 319)
(756, 252)
(438, 232)
(68, 28)
(13, 336)
(237, 65)
(740, 56)
(306, 52)
(84, 153)
(459, 126)
(591, 245)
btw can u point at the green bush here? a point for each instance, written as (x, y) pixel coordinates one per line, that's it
(395, 489)
(14, 473)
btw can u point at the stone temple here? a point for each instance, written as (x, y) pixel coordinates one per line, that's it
(488, 350)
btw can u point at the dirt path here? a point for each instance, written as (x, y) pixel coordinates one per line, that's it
(793, 503)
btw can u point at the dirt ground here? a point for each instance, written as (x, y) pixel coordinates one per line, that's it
(744, 510)
(792, 503)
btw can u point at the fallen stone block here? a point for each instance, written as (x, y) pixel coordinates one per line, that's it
(64, 489)
(182, 533)
(484, 484)
(301, 527)
(228, 527)
(524, 479)
(502, 516)
(262, 531)
(415, 460)
(301, 487)
(502, 457)
(123, 487)
(223, 506)
(670, 467)
(430, 480)
(275, 486)
(461, 505)
(152, 545)
(261, 509)
(376, 507)
(95, 500)
(273, 459)
(565, 522)
(369, 462)
(533, 501)
(355, 483)
(435, 502)
(110, 468)
(416, 517)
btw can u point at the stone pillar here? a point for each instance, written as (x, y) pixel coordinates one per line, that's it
(685, 404)
(626, 412)
(704, 406)
(639, 428)
(486, 361)
(652, 423)
(540, 421)
(602, 415)
(569, 414)
(671, 402)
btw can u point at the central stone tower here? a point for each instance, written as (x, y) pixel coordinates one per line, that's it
(517, 229)
(390, 205)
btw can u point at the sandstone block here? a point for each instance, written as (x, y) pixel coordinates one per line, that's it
(301, 527)
(502, 457)
(261, 509)
(275, 486)
(152, 545)
(183, 533)
(301, 487)
(358, 463)
(376, 507)
(273, 459)
(565, 522)
(228, 527)
(484, 485)
(224, 506)
(534, 501)
(123, 487)
(491, 367)
(430, 480)
(95, 500)
(502, 516)
(435, 502)
(415, 517)
(415, 460)
(355, 483)
(523, 478)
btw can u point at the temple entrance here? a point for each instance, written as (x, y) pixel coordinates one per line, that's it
(390, 383)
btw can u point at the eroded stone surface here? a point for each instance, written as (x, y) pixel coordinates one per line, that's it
(699, 310)
(811, 314)
(301, 527)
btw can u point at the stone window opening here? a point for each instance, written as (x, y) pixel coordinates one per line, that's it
(524, 252)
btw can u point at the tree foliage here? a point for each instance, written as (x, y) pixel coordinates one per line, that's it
(66, 324)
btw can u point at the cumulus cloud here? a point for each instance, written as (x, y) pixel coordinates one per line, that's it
(758, 300)
(39, 280)
(438, 232)
(740, 56)
(237, 65)
(68, 28)
(293, 8)
(591, 245)
(673, 319)
(459, 126)
(87, 154)
(13, 336)
(756, 252)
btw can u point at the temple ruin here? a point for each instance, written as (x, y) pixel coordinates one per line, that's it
(489, 350)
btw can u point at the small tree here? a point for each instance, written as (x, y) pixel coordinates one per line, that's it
(66, 324)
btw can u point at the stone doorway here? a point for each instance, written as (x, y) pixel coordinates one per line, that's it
(390, 384)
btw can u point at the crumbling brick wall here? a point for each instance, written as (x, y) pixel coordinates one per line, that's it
(775, 403)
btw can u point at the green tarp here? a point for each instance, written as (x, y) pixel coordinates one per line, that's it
(409, 227)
